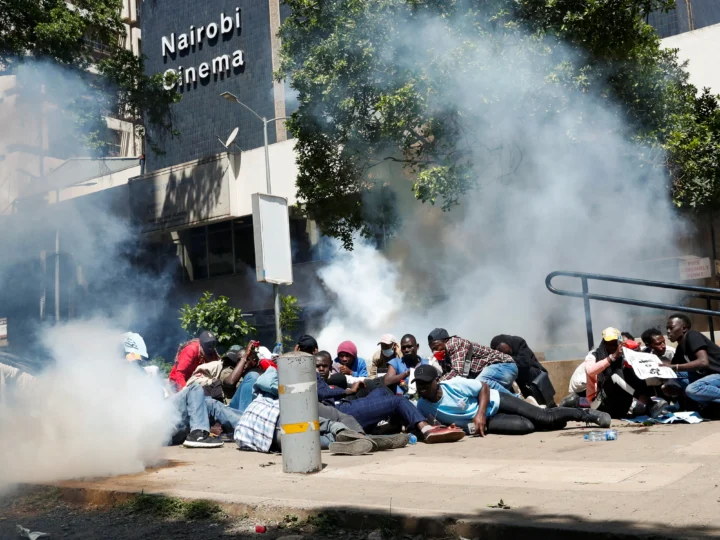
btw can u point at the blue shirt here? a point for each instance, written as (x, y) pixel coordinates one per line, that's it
(401, 367)
(358, 367)
(459, 403)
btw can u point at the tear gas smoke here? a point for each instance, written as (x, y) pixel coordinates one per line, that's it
(90, 414)
(555, 192)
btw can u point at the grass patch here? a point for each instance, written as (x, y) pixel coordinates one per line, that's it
(323, 523)
(173, 508)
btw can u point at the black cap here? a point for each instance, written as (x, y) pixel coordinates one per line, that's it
(426, 373)
(307, 343)
(438, 334)
(232, 356)
(208, 342)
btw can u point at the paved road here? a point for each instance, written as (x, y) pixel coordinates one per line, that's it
(661, 479)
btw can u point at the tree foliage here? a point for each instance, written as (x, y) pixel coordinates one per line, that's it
(289, 317)
(370, 94)
(215, 315)
(86, 38)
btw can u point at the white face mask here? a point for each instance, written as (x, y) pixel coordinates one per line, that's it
(388, 352)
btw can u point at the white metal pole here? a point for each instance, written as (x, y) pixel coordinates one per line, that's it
(276, 288)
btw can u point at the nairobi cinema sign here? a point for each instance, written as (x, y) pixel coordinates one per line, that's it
(193, 40)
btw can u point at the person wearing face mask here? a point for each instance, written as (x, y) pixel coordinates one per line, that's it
(399, 377)
(387, 351)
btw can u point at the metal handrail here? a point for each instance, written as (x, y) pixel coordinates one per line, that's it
(587, 296)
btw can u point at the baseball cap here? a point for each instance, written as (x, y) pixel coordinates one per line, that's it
(387, 338)
(233, 354)
(208, 342)
(611, 334)
(426, 373)
(438, 334)
(307, 343)
(134, 344)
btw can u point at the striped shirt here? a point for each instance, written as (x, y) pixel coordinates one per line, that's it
(257, 425)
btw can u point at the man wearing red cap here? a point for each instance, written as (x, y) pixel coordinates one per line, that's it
(347, 361)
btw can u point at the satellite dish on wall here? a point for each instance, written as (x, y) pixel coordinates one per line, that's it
(231, 138)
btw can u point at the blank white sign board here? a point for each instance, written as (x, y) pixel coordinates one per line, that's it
(271, 225)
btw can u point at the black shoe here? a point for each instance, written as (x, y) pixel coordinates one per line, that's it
(201, 439)
(391, 442)
(348, 435)
(572, 401)
(602, 419)
(358, 447)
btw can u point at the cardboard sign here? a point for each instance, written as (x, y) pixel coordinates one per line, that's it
(647, 365)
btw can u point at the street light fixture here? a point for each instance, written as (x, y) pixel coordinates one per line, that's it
(276, 289)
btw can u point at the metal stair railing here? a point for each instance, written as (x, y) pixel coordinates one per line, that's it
(706, 293)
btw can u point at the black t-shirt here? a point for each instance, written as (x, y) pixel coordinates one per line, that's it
(694, 342)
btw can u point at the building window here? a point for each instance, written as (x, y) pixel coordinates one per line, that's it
(228, 247)
(220, 249)
(244, 244)
(114, 143)
(196, 246)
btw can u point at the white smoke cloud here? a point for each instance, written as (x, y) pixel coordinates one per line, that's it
(545, 201)
(90, 414)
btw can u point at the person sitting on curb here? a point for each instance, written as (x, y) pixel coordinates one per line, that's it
(253, 364)
(469, 402)
(195, 413)
(190, 355)
(467, 359)
(219, 378)
(697, 362)
(400, 371)
(387, 351)
(655, 344)
(348, 362)
(611, 385)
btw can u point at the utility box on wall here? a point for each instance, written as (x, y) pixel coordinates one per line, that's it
(271, 224)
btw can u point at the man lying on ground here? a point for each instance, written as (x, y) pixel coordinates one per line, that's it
(466, 402)
(379, 405)
(471, 360)
(697, 362)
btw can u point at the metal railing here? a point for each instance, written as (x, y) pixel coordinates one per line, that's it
(706, 293)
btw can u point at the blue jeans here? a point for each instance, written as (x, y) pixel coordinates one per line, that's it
(705, 390)
(380, 405)
(227, 416)
(500, 377)
(244, 395)
(192, 412)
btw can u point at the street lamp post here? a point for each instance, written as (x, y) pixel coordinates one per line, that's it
(276, 288)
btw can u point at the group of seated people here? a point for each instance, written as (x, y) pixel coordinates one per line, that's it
(606, 382)
(463, 388)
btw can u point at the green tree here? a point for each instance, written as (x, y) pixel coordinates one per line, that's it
(214, 314)
(86, 38)
(367, 98)
(289, 317)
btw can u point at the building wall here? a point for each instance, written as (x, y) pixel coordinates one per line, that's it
(202, 116)
(701, 49)
(688, 15)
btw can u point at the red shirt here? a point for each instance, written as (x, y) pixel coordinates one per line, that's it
(187, 361)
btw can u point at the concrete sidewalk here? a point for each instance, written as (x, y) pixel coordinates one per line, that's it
(659, 480)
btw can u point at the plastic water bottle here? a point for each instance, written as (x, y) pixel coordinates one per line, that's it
(597, 436)
(277, 351)
(412, 439)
